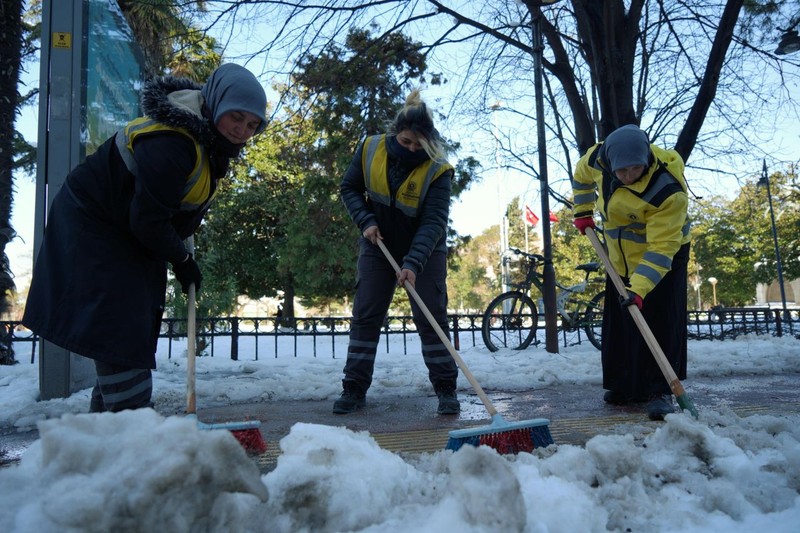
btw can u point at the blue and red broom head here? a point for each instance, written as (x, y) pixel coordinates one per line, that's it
(505, 438)
(247, 432)
(251, 440)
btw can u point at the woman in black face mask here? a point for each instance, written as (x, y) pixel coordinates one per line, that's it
(100, 277)
(397, 189)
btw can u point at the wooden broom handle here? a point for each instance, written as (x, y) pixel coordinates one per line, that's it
(191, 341)
(638, 318)
(460, 362)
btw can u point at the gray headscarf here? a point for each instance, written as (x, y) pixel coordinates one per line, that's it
(627, 146)
(232, 87)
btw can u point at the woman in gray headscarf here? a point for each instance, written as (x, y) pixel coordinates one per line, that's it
(640, 193)
(99, 282)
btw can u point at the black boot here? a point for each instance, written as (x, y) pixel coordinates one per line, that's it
(448, 400)
(659, 406)
(615, 397)
(352, 399)
(97, 405)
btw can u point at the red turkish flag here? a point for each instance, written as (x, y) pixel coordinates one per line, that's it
(530, 216)
(553, 217)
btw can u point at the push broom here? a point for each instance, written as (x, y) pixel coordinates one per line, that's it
(248, 432)
(505, 437)
(675, 385)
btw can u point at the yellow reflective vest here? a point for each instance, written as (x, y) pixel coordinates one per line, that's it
(412, 192)
(197, 190)
(645, 223)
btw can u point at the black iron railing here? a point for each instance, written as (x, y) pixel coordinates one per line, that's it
(328, 334)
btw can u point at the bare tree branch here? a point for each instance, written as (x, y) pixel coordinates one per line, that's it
(692, 72)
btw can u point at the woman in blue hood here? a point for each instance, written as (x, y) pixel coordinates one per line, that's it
(121, 217)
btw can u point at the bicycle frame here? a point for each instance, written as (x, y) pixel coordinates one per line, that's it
(534, 278)
(511, 319)
(564, 295)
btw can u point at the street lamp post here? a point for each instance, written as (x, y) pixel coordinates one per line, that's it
(505, 275)
(713, 282)
(764, 182)
(698, 282)
(548, 272)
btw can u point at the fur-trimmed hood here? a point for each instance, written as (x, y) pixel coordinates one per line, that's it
(177, 102)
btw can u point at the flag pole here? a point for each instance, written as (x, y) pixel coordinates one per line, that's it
(527, 250)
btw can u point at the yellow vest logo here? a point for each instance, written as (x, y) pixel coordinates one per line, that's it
(410, 191)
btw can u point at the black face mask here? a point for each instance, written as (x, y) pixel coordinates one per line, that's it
(404, 155)
(223, 147)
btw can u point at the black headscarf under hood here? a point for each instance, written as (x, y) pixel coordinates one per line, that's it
(626, 147)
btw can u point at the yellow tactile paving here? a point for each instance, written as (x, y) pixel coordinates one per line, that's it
(565, 431)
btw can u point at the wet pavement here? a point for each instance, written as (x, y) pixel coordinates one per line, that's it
(576, 413)
(776, 394)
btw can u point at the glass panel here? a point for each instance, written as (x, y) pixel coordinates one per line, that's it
(113, 74)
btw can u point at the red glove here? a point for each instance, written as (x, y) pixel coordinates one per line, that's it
(583, 223)
(632, 299)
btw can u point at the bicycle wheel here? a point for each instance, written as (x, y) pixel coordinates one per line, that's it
(509, 322)
(593, 320)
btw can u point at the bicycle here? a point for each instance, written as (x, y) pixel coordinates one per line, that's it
(511, 319)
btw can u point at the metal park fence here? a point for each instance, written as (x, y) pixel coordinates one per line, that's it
(327, 336)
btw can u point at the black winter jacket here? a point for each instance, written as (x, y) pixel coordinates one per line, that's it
(99, 282)
(410, 240)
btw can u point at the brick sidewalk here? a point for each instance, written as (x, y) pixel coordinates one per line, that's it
(411, 425)
(576, 412)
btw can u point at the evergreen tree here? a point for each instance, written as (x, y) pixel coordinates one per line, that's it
(733, 242)
(295, 234)
(10, 60)
(471, 279)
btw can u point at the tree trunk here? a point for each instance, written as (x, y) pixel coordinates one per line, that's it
(608, 39)
(708, 88)
(288, 303)
(10, 54)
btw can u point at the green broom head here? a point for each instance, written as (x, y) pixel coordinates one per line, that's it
(505, 437)
(686, 404)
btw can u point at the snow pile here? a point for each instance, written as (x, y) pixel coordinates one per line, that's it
(138, 471)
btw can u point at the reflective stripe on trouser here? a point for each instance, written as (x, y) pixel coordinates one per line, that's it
(375, 287)
(119, 387)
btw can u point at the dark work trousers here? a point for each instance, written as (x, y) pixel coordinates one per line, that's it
(121, 387)
(375, 287)
(629, 366)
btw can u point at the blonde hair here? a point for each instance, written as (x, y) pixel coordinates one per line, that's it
(417, 117)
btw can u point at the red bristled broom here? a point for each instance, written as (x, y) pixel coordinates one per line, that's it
(505, 437)
(247, 432)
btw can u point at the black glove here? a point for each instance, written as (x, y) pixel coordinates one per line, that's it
(187, 273)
